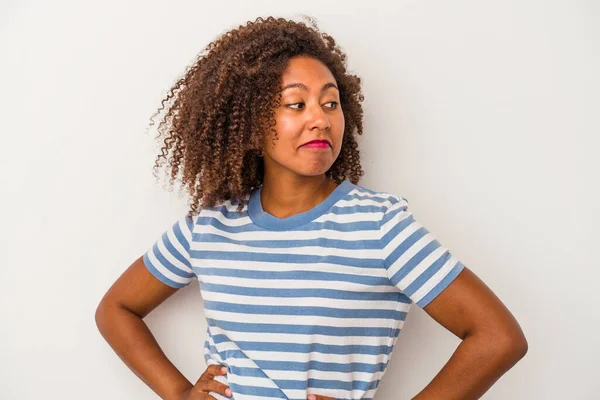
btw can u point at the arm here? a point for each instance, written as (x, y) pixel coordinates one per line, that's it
(492, 340)
(119, 318)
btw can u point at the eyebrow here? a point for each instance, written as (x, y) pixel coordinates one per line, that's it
(303, 86)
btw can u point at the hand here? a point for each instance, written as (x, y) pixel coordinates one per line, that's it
(318, 397)
(206, 384)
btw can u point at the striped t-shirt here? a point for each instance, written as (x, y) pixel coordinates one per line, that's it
(311, 303)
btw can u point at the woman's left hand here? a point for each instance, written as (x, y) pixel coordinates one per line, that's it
(318, 397)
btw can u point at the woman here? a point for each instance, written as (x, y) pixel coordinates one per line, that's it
(306, 276)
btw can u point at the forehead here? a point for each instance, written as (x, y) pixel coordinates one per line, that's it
(306, 69)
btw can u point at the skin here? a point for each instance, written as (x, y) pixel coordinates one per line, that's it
(295, 181)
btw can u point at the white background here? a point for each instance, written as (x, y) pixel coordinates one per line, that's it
(485, 115)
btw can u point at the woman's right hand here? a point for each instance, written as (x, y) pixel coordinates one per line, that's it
(206, 384)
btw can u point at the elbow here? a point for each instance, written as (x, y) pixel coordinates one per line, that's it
(109, 314)
(519, 343)
(514, 346)
(104, 316)
(521, 347)
(507, 348)
(100, 316)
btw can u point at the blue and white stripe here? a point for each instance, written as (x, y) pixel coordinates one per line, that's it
(313, 303)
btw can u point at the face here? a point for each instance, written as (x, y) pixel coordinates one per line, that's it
(310, 110)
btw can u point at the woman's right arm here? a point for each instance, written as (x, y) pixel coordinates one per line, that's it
(119, 318)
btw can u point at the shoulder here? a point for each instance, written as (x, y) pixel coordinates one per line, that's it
(386, 201)
(223, 212)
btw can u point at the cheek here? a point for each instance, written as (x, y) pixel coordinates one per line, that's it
(339, 131)
(288, 129)
(286, 125)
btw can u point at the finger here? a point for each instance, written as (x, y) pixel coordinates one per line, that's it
(318, 397)
(212, 371)
(213, 386)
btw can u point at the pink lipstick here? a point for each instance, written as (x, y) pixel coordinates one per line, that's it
(317, 144)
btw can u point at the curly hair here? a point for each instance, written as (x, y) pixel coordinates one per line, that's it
(218, 112)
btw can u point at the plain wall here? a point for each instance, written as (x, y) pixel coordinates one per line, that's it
(485, 115)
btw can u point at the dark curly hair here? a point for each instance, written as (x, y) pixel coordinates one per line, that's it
(218, 112)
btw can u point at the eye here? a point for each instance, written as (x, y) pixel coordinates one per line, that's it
(333, 107)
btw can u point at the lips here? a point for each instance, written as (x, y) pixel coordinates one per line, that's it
(318, 141)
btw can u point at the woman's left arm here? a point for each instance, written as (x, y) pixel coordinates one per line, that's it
(492, 340)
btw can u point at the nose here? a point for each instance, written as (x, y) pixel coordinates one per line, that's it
(318, 118)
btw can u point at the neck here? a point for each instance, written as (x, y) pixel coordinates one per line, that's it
(284, 197)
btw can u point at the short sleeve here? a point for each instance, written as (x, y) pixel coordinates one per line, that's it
(416, 263)
(169, 257)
